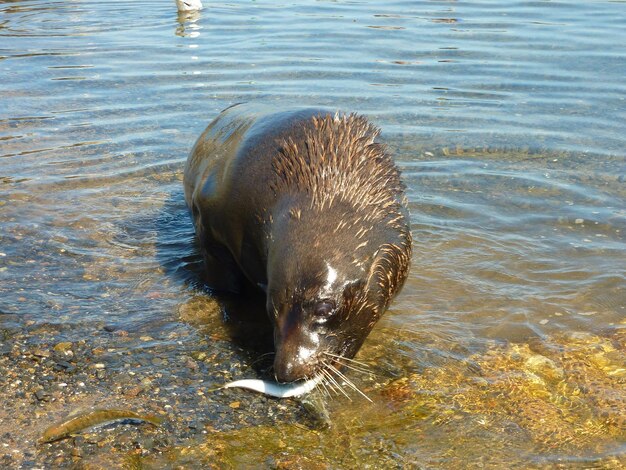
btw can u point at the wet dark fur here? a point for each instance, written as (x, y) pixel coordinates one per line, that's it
(308, 206)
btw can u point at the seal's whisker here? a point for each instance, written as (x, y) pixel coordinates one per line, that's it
(335, 383)
(325, 391)
(352, 385)
(356, 369)
(353, 367)
(321, 388)
(332, 391)
(348, 382)
(316, 378)
(347, 359)
(331, 370)
(332, 385)
(327, 386)
(261, 357)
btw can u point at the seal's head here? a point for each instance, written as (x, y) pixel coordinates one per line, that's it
(339, 244)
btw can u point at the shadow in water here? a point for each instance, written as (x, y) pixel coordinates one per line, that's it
(243, 317)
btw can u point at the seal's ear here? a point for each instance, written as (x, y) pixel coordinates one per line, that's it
(388, 273)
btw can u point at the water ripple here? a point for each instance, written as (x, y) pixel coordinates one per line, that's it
(508, 120)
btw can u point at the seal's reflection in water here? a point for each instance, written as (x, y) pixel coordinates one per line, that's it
(188, 24)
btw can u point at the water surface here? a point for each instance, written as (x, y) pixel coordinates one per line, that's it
(507, 345)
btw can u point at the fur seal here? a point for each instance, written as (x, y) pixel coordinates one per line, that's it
(304, 204)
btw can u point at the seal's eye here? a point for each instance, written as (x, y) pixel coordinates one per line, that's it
(324, 309)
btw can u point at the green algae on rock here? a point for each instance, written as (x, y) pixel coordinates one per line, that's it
(93, 418)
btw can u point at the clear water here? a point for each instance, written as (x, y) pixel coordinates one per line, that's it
(508, 120)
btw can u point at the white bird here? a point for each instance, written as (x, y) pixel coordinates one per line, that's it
(188, 5)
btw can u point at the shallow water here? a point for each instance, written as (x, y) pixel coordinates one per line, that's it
(508, 121)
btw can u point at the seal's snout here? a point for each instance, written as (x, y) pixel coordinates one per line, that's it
(289, 371)
(291, 364)
(297, 350)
